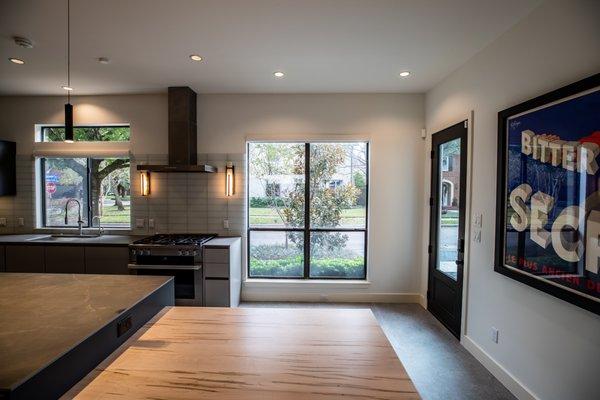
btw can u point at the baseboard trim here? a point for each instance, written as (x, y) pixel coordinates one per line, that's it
(423, 301)
(517, 388)
(289, 296)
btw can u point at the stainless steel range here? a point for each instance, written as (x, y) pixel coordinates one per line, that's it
(178, 255)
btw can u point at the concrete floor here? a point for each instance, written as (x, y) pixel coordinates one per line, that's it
(436, 362)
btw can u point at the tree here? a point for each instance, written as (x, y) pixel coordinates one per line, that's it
(100, 169)
(326, 202)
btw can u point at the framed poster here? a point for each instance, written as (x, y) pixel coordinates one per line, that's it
(548, 194)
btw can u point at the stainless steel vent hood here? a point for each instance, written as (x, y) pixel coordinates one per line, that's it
(182, 135)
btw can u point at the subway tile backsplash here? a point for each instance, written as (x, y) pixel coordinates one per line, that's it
(178, 202)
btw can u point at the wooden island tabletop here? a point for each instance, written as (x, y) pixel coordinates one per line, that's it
(255, 353)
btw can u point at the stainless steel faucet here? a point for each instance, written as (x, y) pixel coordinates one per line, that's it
(100, 228)
(79, 221)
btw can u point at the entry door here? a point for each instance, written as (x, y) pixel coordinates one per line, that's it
(447, 225)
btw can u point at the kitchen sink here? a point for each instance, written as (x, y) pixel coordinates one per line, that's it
(64, 237)
(75, 235)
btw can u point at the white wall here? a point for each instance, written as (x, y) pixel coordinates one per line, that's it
(550, 346)
(147, 115)
(392, 123)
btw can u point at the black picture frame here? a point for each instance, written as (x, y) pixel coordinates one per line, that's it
(555, 290)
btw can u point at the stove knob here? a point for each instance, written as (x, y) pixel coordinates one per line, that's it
(195, 253)
(133, 252)
(180, 253)
(147, 252)
(186, 253)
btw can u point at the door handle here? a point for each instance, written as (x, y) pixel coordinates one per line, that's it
(460, 262)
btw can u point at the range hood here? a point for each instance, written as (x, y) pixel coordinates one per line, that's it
(182, 135)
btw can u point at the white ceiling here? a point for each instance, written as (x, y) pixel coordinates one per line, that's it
(321, 45)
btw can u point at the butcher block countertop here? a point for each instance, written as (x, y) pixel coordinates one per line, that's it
(262, 353)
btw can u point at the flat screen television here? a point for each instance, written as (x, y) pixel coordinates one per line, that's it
(8, 168)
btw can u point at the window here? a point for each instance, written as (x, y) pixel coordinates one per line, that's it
(86, 133)
(100, 184)
(315, 224)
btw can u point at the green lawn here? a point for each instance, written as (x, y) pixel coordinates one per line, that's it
(268, 216)
(112, 215)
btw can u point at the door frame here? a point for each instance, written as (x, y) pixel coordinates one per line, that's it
(470, 118)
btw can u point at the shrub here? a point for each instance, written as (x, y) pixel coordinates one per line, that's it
(266, 202)
(294, 266)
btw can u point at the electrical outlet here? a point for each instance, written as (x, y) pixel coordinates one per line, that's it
(3, 222)
(151, 223)
(225, 224)
(20, 221)
(140, 222)
(494, 335)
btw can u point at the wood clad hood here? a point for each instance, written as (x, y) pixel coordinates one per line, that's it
(182, 135)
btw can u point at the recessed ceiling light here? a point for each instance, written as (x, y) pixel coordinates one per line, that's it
(17, 61)
(278, 74)
(196, 57)
(67, 88)
(404, 74)
(23, 42)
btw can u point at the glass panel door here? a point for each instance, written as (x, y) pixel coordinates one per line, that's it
(447, 226)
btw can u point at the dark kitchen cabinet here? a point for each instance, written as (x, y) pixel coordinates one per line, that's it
(8, 168)
(106, 260)
(24, 258)
(65, 259)
(2, 264)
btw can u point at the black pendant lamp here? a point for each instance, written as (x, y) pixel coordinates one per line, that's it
(67, 87)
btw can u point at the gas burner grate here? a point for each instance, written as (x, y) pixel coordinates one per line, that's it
(176, 239)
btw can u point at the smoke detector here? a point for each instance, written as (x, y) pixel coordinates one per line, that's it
(23, 42)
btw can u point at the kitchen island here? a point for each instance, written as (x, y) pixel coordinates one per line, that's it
(55, 328)
(245, 353)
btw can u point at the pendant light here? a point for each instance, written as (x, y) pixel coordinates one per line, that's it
(68, 88)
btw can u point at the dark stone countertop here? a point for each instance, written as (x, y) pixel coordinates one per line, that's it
(46, 239)
(45, 315)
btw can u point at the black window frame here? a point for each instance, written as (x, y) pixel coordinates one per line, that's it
(43, 193)
(307, 230)
(42, 127)
(89, 171)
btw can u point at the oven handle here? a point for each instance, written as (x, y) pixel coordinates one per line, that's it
(158, 266)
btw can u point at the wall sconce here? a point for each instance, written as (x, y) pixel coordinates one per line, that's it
(145, 183)
(229, 179)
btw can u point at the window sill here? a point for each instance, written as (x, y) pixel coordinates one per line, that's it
(257, 282)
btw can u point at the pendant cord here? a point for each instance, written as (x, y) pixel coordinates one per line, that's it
(68, 50)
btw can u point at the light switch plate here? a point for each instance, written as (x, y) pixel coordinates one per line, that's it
(20, 221)
(477, 236)
(2, 222)
(477, 220)
(151, 223)
(140, 222)
(225, 224)
(494, 334)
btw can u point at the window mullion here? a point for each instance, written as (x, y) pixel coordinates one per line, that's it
(306, 210)
(89, 192)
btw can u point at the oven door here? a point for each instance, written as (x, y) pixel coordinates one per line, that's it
(188, 280)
